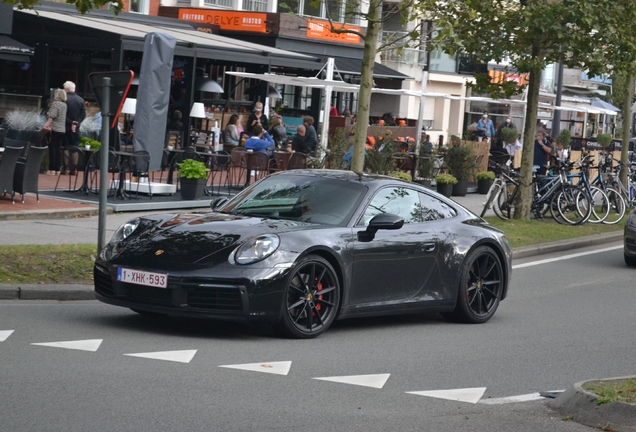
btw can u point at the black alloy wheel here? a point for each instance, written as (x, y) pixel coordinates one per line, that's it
(480, 287)
(311, 298)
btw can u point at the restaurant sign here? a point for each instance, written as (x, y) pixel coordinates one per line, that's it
(227, 20)
(322, 30)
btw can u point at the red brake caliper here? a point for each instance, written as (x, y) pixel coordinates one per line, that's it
(319, 287)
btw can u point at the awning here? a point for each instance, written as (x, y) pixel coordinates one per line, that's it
(600, 103)
(352, 66)
(132, 29)
(12, 50)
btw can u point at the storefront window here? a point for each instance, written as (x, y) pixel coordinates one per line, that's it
(139, 6)
(226, 3)
(255, 5)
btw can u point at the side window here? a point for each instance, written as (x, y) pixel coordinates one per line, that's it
(434, 209)
(395, 200)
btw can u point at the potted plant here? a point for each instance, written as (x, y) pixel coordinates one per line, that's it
(25, 125)
(508, 135)
(484, 181)
(193, 176)
(425, 168)
(565, 138)
(460, 162)
(445, 184)
(604, 140)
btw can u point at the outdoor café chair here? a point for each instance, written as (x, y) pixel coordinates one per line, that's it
(298, 160)
(7, 168)
(26, 175)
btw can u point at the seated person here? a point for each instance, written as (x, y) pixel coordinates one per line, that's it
(298, 143)
(260, 140)
(175, 123)
(231, 134)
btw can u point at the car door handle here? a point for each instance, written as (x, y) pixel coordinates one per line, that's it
(429, 247)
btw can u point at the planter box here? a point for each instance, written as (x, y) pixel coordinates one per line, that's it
(483, 186)
(460, 188)
(445, 189)
(192, 189)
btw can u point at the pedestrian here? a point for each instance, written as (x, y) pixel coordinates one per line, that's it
(485, 128)
(75, 113)
(542, 150)
(298, 143)
(257, 117)
(311, 137)
(57, 114)
(427, 145)
(260, 140)
(231, 135)
(278, 132)
(175, 123)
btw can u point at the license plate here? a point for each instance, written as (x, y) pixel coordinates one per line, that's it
(157, 280)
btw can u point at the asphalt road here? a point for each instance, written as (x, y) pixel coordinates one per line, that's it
(565, 321)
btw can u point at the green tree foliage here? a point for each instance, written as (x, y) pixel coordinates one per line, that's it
(375, 13)
(528, 35)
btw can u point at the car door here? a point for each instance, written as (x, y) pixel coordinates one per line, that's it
(396, 264)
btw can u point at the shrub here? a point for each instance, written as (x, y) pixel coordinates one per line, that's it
(401, 175)
(508, 135)
(564, 138)
(604, 140)
(192, 169)
(460, 162)
(445, 179)
(485, 175)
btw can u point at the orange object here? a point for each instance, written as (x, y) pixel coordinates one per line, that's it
(380, 122)
(402, 123)
(371, 140)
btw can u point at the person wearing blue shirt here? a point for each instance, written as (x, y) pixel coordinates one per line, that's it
(260, 140)
(486, 127)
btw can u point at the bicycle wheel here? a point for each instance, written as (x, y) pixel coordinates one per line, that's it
(617, 207)
(505, 205)
(574, 206)
(492, 194)
(600, 205)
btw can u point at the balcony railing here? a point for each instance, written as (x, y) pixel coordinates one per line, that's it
(399, 53)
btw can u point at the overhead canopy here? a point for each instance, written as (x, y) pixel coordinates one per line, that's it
(132, 29)
(600, 103)
(352, 66)
(13, 50)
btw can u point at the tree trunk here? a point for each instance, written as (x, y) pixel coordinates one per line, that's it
(524, 199)
(366, 84)
(627, 120)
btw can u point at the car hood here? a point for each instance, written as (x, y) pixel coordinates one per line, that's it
(202, 239)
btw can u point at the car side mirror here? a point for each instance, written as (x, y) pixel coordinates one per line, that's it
(384, 221)
(218, 202)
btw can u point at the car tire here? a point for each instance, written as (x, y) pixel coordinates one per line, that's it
(311, 298)
(629, 260)
(480, 288)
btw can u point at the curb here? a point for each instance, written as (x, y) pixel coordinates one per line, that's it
(582, 406)
(52, 214)
(59, 292)
(564, 245)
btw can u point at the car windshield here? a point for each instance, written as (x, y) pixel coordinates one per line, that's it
(303, 198)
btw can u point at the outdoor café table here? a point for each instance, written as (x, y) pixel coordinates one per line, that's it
(89, 155)
(125, 161)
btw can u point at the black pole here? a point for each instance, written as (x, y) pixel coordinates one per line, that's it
(103, 164)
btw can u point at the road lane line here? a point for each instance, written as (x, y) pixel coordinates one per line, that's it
(565, 257)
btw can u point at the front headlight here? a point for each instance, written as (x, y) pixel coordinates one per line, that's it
(125, 230)
(257, 249)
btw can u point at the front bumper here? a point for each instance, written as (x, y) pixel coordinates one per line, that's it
(256, 298)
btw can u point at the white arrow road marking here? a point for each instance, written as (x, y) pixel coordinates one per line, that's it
(375, 381)
(470, 395)
(514, 399)
(4, 334)
(183, 356)
(564, 257)
(277, 368)
(82, 345)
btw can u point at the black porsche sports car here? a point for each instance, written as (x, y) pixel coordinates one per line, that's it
(303, 248)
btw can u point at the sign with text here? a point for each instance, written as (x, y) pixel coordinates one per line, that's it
(227, 20)
(322, 30)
